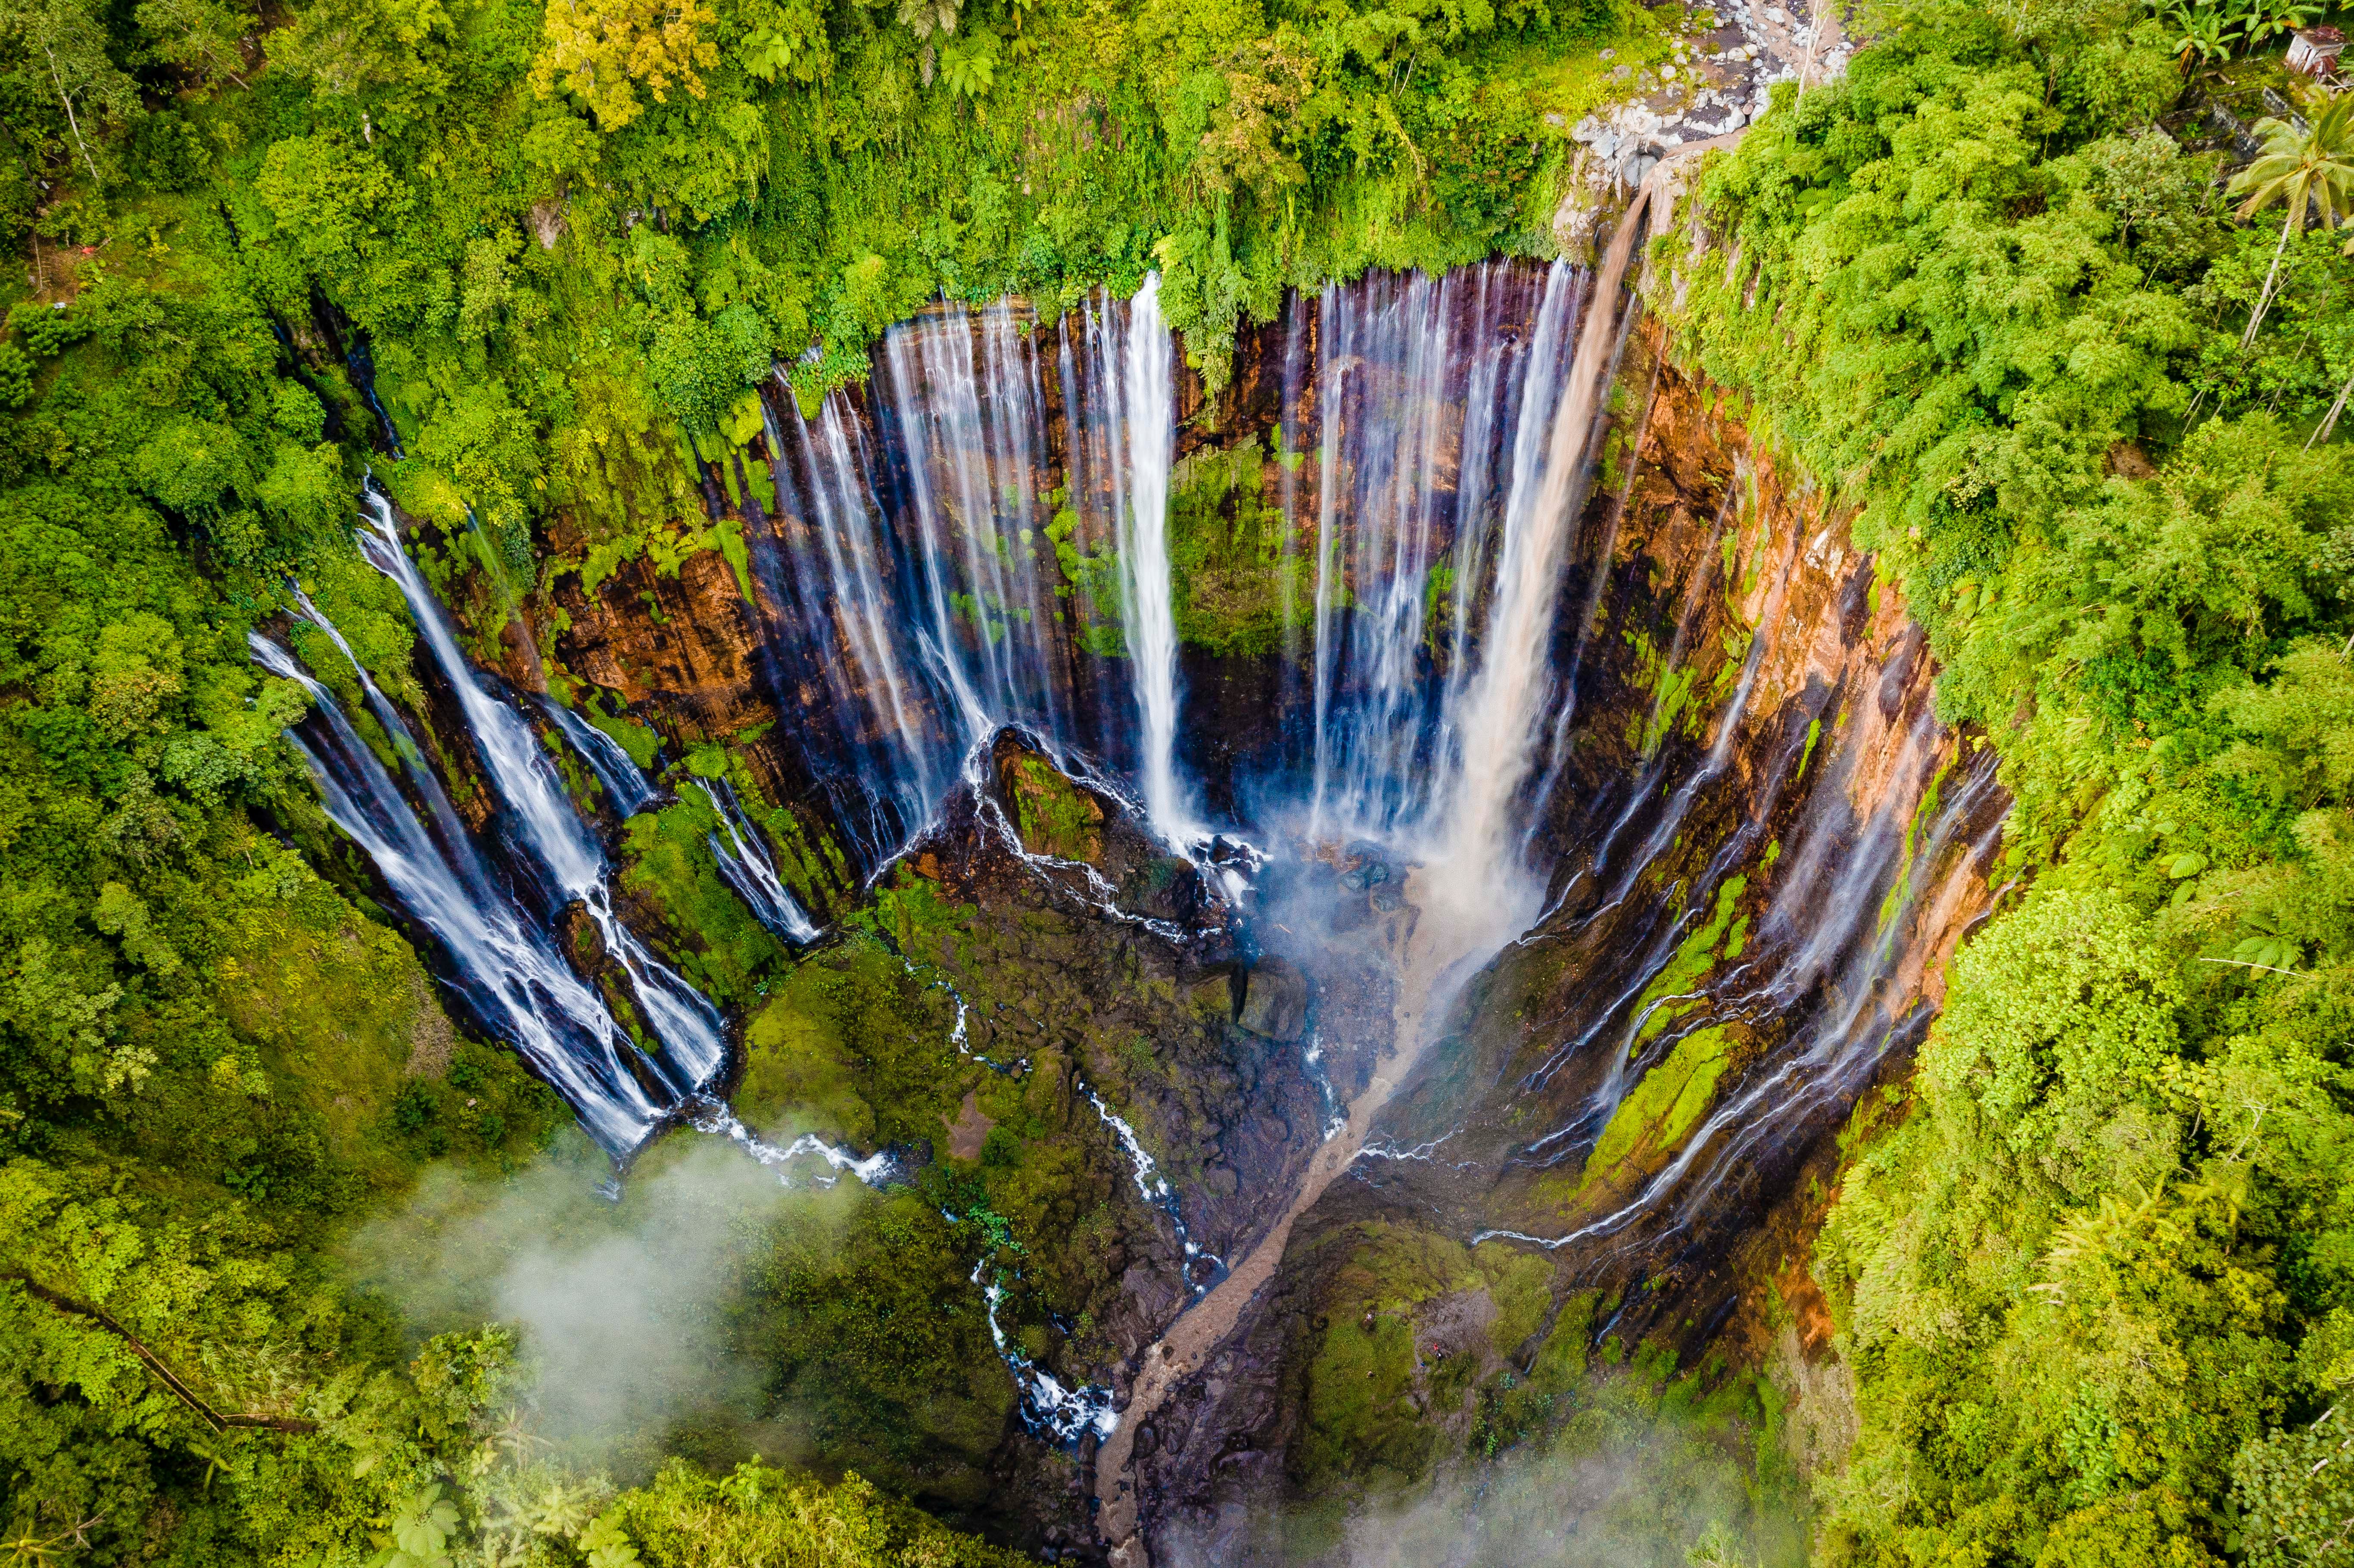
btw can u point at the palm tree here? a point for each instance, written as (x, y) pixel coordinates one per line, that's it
(2201, 35)
(2315, 168)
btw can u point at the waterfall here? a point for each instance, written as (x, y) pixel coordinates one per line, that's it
(1478, 877)
(970, 424)
(626, 785)
(1148, 598)
(841, 603)
(912, 595)
(550, 833)
(1832, 927)
(744, 866)
(981, 535)
(1413, 371)
(915, 600)
(502, 963)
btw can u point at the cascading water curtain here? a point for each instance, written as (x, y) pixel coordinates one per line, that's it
(501, 961)
(837, 598)
(497, 929)
(554, 837)
(1421, 384)
(914, 602)
(1148, 598)
(909, 581)
(969, 416)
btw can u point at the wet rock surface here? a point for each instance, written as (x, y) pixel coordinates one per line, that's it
(1715, 572)
(1750, 737)
(1275, 1000)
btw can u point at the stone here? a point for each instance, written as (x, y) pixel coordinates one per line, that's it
(1275, 1000)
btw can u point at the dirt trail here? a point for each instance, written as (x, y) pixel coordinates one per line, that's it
(1425, 959)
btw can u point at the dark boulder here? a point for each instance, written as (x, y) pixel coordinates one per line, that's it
(1275, 1000)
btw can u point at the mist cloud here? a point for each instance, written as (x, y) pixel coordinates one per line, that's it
(623, 1306)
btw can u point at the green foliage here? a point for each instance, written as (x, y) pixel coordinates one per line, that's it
(2085, 1287)
(848, 1043)
(1244, 584)
(2058, 1015)
(875, 1338)
(2298, 1490)
(756, 1514)
(1658, 1457)
(2307, 170)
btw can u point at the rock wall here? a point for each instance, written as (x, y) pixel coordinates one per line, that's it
(1764, 849)
(1761, 849)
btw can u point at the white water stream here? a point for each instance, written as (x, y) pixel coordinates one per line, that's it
(505, 964)
(548, 827)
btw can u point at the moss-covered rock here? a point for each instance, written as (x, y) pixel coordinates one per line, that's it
(848, 1044)
(1662, 1110)
(1409, 1325)
(1241, 582)
(1275, 999)
(712, 935)
(1053, 816)
(1720, 938)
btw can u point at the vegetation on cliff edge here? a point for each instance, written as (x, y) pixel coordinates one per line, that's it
(2097, 1291)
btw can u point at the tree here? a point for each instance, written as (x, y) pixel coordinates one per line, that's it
(202, 35)
(2297, 1488)
(390, 56)
(602, 51)
(2312, 169)
(70, 48)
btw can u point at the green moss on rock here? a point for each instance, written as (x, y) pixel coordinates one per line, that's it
(1660, 1112)
(715, 938)
(1723, 937)
(849, 1043)
(1239, 584)
(1053, 816)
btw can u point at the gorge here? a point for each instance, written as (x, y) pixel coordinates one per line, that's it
(1136, 782)
(1562, 760)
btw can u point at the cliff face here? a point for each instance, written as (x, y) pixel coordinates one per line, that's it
(1758, 845)
(1763, 849)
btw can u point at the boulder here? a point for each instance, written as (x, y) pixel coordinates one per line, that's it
(1275, 1000)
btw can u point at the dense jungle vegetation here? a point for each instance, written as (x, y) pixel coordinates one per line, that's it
(2097, 1288)
(2095, 1279)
